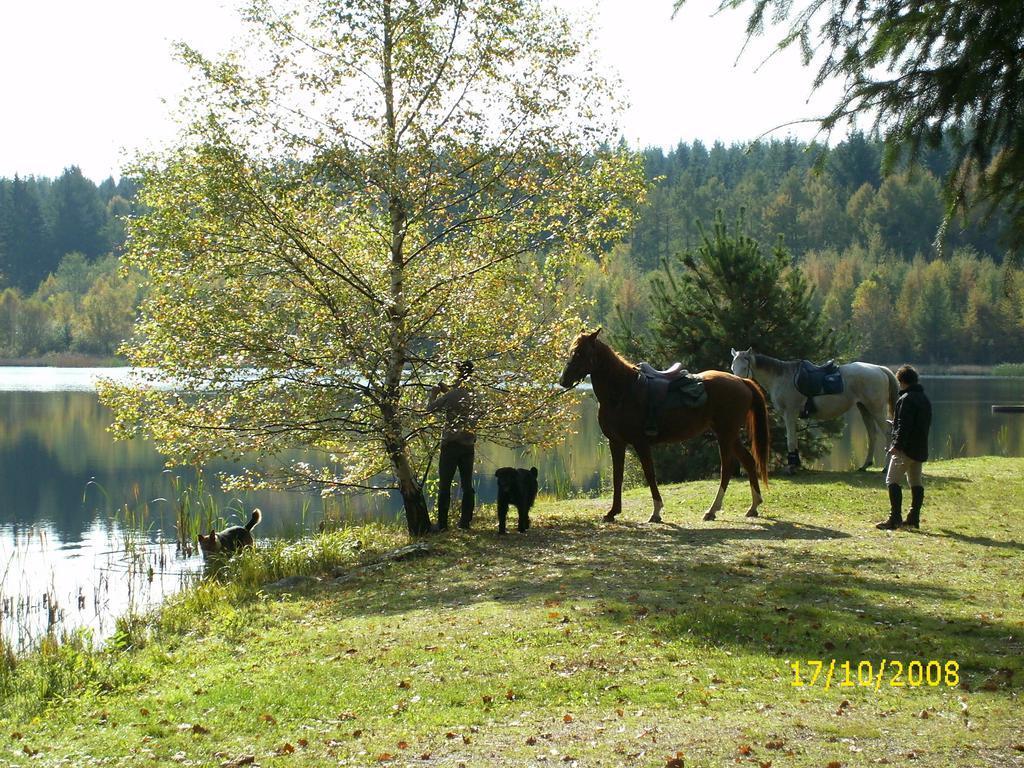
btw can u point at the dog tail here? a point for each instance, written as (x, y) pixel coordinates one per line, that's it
(254, 520)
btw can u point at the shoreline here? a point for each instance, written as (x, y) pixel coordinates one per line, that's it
(66, 360)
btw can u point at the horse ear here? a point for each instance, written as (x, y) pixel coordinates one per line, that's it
(750, 349)
(733, 352)
(594, 334)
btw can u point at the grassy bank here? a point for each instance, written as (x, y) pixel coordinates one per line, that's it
(583, 643)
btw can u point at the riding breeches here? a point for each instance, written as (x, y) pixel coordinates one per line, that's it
(902, 466)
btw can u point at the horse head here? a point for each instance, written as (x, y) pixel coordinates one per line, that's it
(743, 363)
(581, 359)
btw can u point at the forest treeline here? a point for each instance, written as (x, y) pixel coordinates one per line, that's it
(60, 286)
(865, 241)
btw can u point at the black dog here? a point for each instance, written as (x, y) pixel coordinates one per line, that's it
(519, 488)
(230, 539)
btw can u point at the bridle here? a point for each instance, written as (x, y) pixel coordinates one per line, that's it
(748, 362)
(589, 364)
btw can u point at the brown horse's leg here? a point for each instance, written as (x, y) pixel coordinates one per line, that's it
(751, 469)
(643, 452)
(618, 451)
(725, 444)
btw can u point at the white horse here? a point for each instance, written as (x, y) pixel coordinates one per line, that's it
(872, 388)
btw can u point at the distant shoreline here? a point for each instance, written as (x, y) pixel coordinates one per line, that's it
(65, 360)
(75, 360)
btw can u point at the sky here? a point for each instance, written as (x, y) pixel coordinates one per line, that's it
(89, 83)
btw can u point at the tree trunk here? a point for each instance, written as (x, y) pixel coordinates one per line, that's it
(417, 517)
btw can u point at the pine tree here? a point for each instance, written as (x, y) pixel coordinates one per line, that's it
(728, 293)
(29, 254)
(79, 217)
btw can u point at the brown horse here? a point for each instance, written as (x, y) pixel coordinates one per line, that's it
(731, 401)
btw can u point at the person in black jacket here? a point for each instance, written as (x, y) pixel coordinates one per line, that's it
(909, 450)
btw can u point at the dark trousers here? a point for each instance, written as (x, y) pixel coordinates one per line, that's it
(455, 456)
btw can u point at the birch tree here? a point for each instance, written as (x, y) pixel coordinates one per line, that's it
(365, 193)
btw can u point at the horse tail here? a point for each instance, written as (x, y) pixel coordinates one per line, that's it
(757, 426)
(894, 390)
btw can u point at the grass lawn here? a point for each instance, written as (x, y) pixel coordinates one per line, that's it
(585, 643)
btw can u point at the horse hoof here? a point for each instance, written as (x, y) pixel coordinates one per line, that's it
(709, 515)
(610, 517)
(655, 519)
(752, 513)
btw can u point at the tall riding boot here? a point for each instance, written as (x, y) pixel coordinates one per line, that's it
(443, 503)
(916, 500)
(466, 511)
(792, 461)
(895, 509)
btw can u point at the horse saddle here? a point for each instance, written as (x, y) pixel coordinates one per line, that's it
(671, 373)
(672, 388)
(812, 380)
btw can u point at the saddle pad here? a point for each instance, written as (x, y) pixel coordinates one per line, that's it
(812, 380)
(687, 391)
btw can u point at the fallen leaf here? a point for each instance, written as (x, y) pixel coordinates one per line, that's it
(531, 740)
(384, 757)
(425, 756)
(510, 695)
(487, 699)
(774, 744)
(834, 764)
(284, 749)
(675, 762)
(745, 749)
(347, 716)
(302, 743)
(404, 684)
(450, 735)
(567, 719)
(403, 745)
(268, 718)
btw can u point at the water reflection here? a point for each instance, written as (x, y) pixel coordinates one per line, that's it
(66, 557)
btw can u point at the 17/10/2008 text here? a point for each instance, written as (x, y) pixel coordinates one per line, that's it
(865, 674)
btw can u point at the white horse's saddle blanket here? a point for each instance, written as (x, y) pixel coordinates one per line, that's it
(812, 380)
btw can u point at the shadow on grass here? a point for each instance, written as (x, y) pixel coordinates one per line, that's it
(870, 479)
(743, 588)
(981, 541)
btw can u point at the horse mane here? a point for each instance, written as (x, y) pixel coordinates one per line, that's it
(772, 364)
(616, 357)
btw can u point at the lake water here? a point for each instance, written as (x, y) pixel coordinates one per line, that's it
(68, 489)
